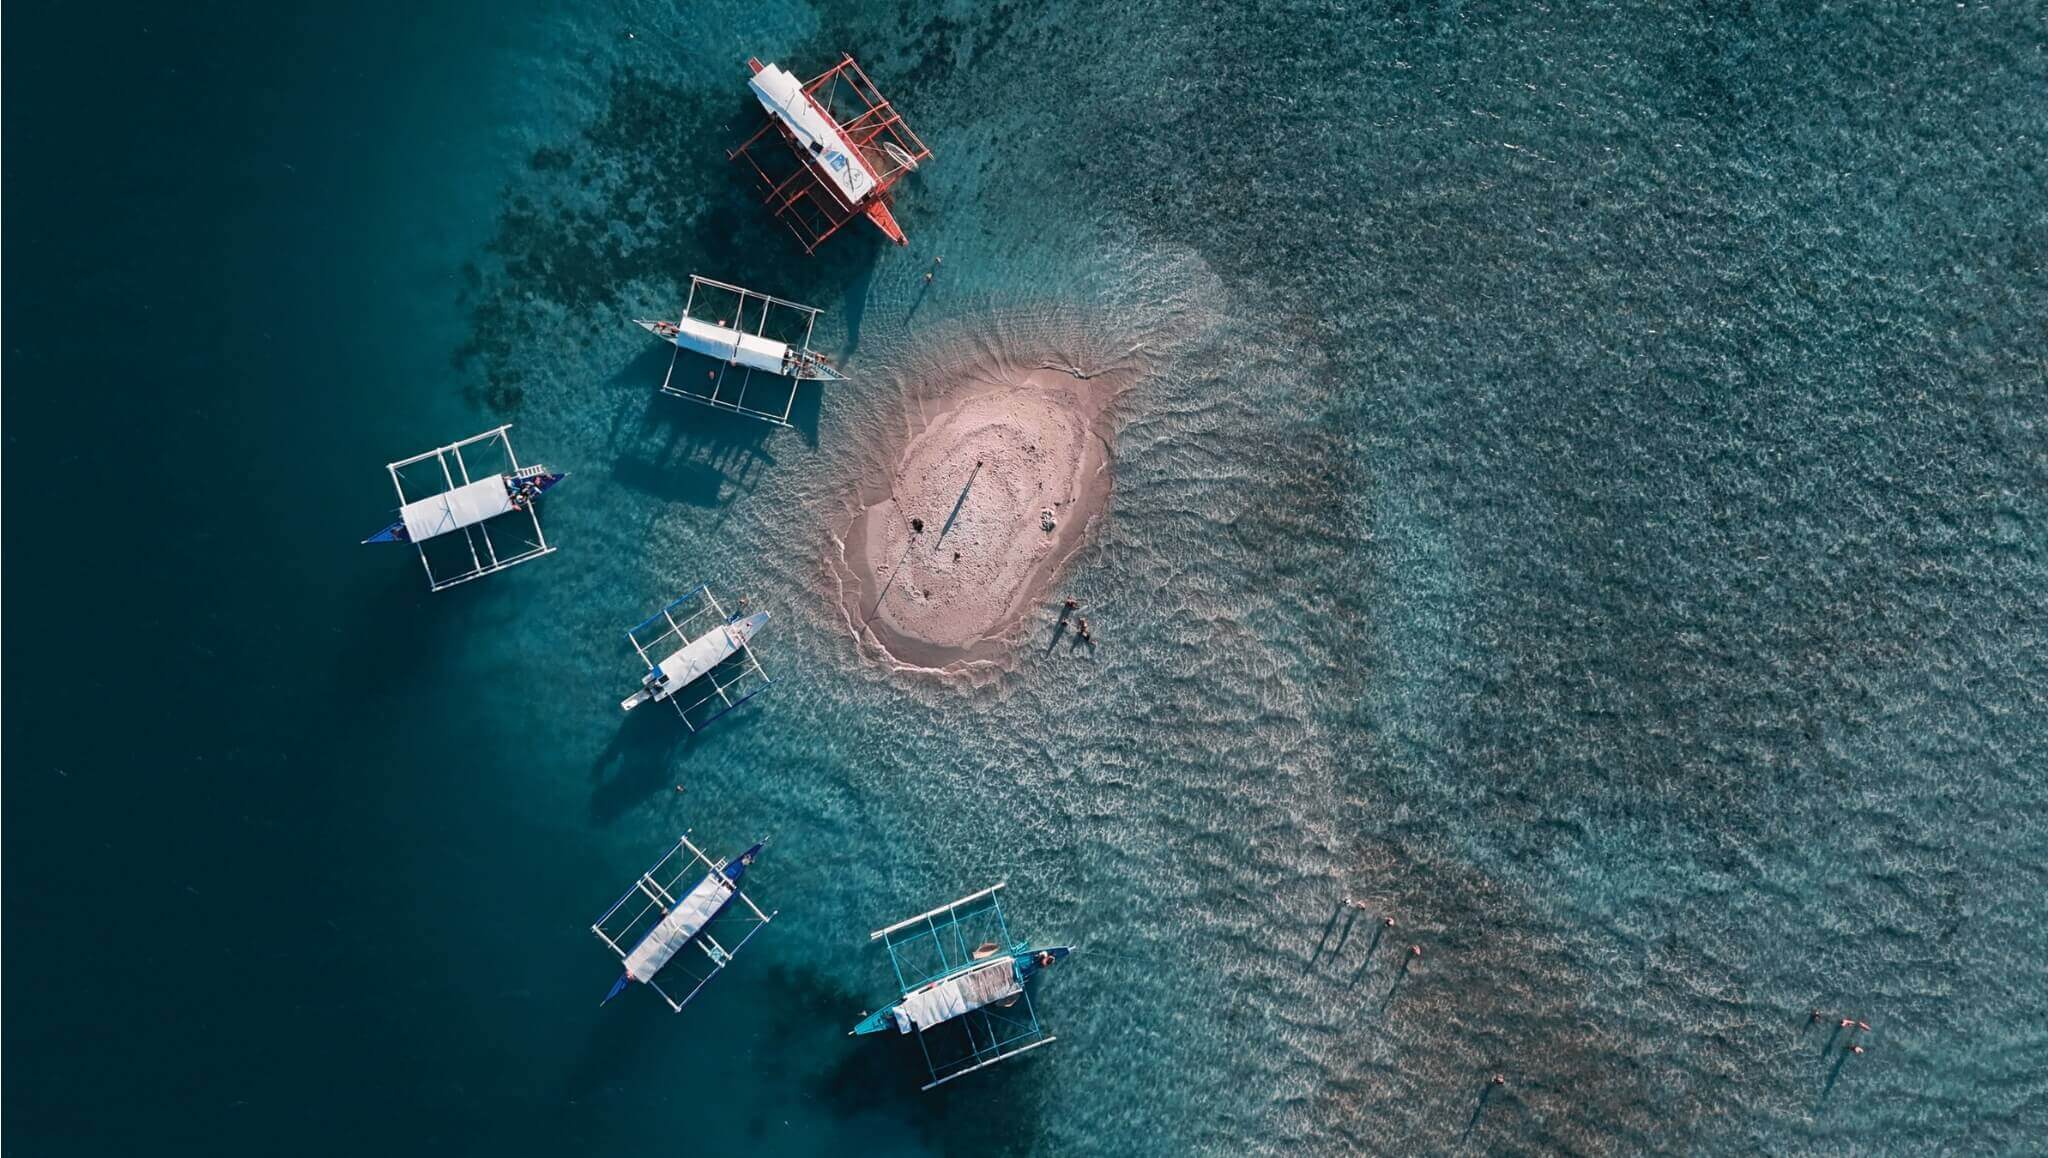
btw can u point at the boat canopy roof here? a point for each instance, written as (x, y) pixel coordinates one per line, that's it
(452, 510)
(684, 921)
(985, 984)
(817, 136)
(700, 655)
(735, 346)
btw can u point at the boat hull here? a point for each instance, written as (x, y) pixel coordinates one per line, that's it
(878, 215)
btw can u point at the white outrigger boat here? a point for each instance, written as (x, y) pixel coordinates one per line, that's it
(468, 505)
(735, 345)
(710, 648)
(958, 964)
(848, 146)
(672, 919)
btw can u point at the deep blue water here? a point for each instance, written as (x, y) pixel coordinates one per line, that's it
(1587, 503)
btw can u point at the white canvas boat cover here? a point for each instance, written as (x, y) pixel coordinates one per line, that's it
(674, 931)
(703, 653)
(954, 996)
(817, 137)
(453, 510)
(729, 345)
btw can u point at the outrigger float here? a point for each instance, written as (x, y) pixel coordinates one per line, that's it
(731, 343)
(709, 646)
(468, 505)
(959, 964)
(844, 168)
(678, 919)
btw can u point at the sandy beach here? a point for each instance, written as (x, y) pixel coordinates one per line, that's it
(993, 488)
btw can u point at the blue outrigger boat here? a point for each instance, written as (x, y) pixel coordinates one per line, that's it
(673, 919)
(520, 489)
(468, 505)
(958, 964)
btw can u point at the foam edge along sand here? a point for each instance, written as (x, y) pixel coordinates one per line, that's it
(1010, 419)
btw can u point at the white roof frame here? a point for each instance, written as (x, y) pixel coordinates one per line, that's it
(658, 887)
(487, 561)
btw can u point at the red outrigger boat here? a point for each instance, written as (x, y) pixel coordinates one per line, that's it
(848, 147)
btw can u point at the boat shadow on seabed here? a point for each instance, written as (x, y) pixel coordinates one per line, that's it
(1478, 1111)
(678, 452)
(882, 1075)
(1342, 912)
(644, 757)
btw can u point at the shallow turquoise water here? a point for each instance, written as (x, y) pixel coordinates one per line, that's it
(1587, 504)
